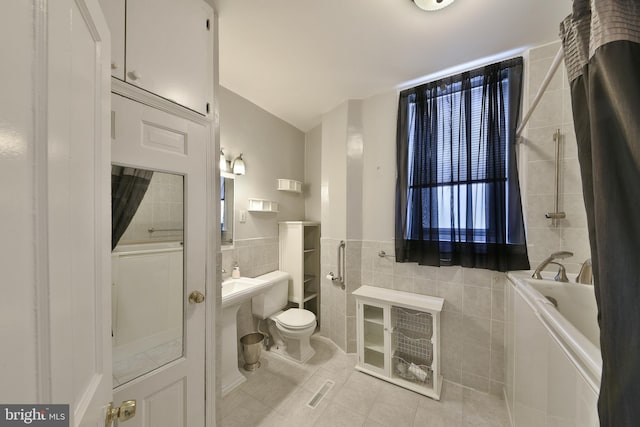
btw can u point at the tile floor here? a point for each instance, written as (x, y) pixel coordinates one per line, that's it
(126, 368)
(277, 395)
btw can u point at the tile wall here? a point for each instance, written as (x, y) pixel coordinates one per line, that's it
(538, 155)
(254, 256)
(472, 319)
(161, 208)
(333, 298)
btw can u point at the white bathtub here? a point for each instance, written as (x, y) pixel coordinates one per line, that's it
(553, 354)
(147, 296)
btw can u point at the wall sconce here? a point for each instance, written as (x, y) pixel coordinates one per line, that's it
(238, 165)
(224, 165)
(432, 4)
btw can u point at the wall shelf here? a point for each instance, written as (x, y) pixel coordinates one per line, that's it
(261, 205)
(290, 185)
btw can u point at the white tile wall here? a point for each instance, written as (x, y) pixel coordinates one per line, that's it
(473, 317)
(161, 208)
(538, 152)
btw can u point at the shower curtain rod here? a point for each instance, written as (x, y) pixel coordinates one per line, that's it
(543, 87)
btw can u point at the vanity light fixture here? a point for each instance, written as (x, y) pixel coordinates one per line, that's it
(432, 5)
(224, 166)
(238, 165)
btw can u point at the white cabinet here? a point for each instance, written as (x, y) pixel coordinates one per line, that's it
(300, 257)
(167, 50)
(114, 13)
(399, 338)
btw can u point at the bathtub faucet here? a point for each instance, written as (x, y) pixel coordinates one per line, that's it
(562, 274)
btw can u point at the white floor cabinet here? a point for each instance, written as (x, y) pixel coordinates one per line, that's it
(300, 257)
(399, 338)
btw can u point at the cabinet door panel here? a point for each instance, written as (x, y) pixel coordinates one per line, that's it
(373, 336)
(169, 49)
(114, 14)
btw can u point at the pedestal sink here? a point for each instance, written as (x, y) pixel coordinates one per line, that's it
(234, 293)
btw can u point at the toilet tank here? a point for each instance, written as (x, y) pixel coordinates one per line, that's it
(273, 300)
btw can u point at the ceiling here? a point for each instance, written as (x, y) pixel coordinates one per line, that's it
(298, 59)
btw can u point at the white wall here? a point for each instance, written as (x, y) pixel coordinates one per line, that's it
(379, 170)
(271, 149)
(333, 194)
(18, 365)
(312, 173)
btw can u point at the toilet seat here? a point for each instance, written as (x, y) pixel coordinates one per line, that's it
(296, 318)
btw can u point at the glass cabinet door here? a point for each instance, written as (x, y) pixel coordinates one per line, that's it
(373, 335)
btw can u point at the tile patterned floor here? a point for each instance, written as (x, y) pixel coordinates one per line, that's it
(127, 368)
(276, 395)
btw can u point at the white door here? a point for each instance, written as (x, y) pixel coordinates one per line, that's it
(75, 353)
(78, 357)
(169, 387)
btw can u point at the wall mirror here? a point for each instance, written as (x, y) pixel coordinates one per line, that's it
(226, 209)
(147, 270)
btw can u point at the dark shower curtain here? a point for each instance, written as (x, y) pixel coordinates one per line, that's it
(128, 187)
(602, 53)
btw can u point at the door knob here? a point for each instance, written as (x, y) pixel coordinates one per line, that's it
(124, 412)
(196, 297)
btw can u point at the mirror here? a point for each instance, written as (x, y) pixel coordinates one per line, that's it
(226, 209)
(147, 270)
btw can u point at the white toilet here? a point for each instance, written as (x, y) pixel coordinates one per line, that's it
(290, 329)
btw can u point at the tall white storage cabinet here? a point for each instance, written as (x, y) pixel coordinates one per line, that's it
(300, 257)
(399, 338)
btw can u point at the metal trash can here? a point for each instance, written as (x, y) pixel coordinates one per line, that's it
(251, 349)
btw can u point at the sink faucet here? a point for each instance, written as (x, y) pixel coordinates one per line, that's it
(562, 274)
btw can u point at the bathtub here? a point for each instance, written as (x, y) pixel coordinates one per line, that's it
(552, 353)
(147, 296)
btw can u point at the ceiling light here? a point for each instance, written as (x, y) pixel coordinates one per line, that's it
(432, 4)
(238, 165)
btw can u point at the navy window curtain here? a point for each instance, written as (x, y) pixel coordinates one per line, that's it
(601, 40)
(457, 191)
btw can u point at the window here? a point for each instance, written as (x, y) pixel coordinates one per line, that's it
(458, 196)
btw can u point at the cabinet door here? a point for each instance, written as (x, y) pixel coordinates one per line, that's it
(113, 11)
(373, 337)
(170, 50)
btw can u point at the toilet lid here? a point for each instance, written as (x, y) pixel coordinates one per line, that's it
(296, 318)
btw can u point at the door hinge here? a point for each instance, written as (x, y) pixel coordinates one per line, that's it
(208, 24)
(207, 108)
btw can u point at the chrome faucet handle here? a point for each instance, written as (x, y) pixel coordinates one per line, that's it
(585, 276)
(561, 276)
